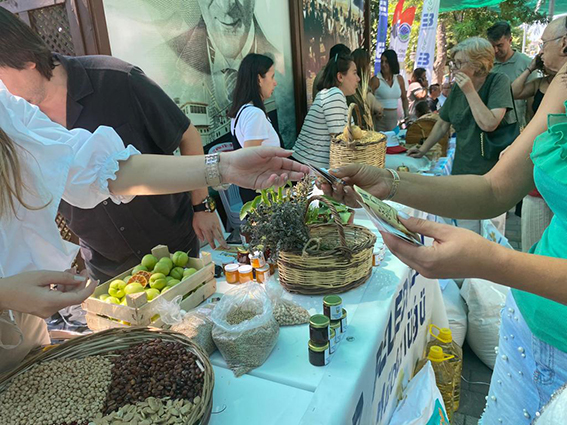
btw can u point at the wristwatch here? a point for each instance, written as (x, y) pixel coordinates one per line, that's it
(212, 172)
(208, 205)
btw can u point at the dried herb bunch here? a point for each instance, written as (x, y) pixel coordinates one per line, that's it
(277, 222)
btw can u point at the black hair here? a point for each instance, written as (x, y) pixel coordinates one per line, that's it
(499, 30)
(392, 59)
(339, 49)
(422, 108)
(434, 86)
(362, 60)
(418, 74)
(338, 63)
(247, 88)
(20, 45)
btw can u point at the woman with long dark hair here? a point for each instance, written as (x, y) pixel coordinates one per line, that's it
(390, 89)
(328, 113)
(365, 101)
(250, 125)
(417, 89)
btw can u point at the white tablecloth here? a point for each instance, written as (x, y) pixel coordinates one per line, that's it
(388, 318)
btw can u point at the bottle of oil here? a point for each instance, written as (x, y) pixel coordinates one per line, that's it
(444, 339)
(444, 376)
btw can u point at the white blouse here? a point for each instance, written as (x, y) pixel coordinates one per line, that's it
(74, 165)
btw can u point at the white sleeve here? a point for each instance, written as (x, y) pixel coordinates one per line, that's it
(90, 159)
(252, 125)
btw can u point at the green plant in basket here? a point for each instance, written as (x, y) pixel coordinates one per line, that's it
(322, 214)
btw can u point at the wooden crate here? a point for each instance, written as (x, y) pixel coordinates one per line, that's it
(139, 312)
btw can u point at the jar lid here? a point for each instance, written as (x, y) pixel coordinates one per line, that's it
(245, 269)
(231, 267)
(332, 300)
(263, 269)
(319, 321)
(318, 348)
(344, 314)
(335, 324)
(242, 250)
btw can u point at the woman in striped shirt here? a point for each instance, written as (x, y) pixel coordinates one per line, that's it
(328, 113)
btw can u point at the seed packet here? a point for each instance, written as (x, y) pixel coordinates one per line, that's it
(385, 217)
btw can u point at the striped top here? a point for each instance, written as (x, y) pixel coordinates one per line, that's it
(327, 116)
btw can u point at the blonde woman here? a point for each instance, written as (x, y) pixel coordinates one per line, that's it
(478, 103)
(42, 163)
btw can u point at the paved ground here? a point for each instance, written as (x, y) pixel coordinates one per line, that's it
(476, 375)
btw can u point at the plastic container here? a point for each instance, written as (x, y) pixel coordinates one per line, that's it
(444, 339)
(444, 375)
(319, 329)
(245, 274)
(231, 273)
(332, 307)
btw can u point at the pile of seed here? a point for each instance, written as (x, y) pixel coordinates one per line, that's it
(156, 368)
(55, 392)
(287, 313)
(248, 348)
(151, 411)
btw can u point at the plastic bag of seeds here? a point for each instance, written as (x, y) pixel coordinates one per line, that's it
(245, 330)
(197, 325)
(286, 312)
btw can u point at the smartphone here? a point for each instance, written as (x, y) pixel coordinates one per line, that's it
(328, 177)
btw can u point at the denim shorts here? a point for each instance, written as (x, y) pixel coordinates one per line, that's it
(526, 374)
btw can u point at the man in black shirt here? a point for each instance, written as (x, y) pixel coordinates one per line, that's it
(86, 92)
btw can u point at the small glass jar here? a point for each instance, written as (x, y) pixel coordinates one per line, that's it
(263, 274)
(231, 273)
(273, 267)
(243, 256)
(332, 341)
(332, 307)
(257, 260)
(245, 273)
(336, 326)
(319, 329)
(344, 324)
(318, 353)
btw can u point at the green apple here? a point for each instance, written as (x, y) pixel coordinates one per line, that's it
(162, 268)
(116, 288)
(189, 272)
(173, 282)
(133, 288)
(167, 288)
(158, 283)
(140, 268)
(103, 297)
(157, 276)
(180, 259)
(168, 278)
(167, 261)
(112, 300)
(149, 261)
(177, 273)
(123, 302)
(152, 293)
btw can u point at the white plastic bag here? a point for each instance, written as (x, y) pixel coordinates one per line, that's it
(170, 312)
(245, 330)
(485, 301)
(421, 403)
(456, 310)
(197, 325)
(286, 312)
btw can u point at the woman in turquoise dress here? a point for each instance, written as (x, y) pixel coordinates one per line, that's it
(532, 358)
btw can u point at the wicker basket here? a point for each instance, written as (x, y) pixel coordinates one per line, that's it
(418, 132)
(370, 150)
(340, 268)
(106, 342)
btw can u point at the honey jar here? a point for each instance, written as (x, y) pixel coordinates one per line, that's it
(245, 273)
(243, 256)
(263, 274)
(319, 329)
(332, 341)
(318, 353)
(257, 260)
(332, 307)
(231, 273)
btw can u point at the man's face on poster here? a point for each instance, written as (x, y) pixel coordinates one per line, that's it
(228, 23)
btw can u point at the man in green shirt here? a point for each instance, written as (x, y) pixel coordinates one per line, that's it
(508, 61)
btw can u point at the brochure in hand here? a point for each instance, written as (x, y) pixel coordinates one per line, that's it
(385, 217)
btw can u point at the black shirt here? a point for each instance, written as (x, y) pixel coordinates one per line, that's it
(103, 90)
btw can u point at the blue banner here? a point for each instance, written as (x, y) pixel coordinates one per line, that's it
(381, 34)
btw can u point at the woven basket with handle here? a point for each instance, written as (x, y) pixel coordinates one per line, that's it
(107, 342)
(370, 149)
(419, 131)
(336, 259)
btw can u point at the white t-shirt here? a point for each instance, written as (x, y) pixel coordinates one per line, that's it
(327, 115)
(253, 124)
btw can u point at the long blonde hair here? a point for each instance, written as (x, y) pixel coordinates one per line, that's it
(12, 186)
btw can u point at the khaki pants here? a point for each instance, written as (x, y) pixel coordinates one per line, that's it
(35, 335)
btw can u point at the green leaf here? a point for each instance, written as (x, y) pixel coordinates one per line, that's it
(246, 208)
(345, 217)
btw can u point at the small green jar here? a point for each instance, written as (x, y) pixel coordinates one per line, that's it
(333, 307)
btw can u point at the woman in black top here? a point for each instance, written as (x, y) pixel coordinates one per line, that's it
(536, 88)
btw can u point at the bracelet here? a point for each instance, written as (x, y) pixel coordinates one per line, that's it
(395, 184)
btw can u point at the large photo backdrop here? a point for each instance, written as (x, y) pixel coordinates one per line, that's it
(192, 49)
